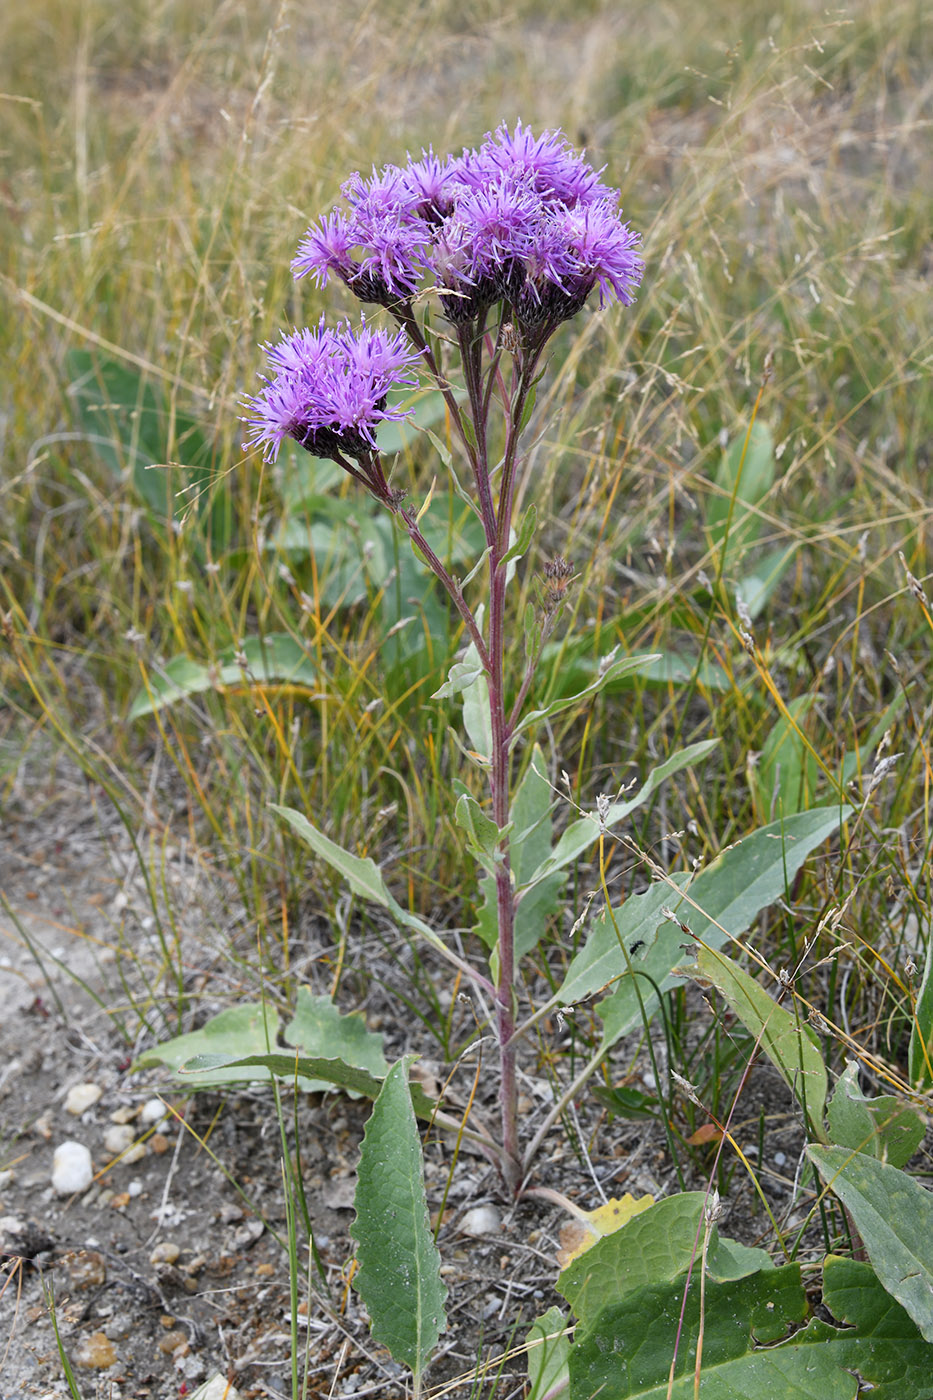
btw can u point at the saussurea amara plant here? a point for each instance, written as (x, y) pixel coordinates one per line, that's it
(510, 241)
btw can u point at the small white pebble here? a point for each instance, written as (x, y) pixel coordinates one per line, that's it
(481, 1220)
(81, 1097)
(6, 1177)
(165, 1252)
(779, 1159)
(135, 1154)
(135, 1188)
(118, 1138)
(153, 1111)
(71, 1168)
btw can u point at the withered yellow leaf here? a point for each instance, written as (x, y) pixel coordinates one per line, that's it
(581, 1234)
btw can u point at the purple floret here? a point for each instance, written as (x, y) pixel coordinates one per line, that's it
(327, 390)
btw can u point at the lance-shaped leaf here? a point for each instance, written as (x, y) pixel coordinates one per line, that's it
(399, 1276)
(309, 1071)
(609, 671)
(719, 904)
(584, 833)
(893, 1214)
(223, 1047)
(277, 659)
(790, 1046)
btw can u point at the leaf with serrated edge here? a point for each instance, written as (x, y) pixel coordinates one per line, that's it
(789, 1046)
(399, 1275)
(893, 1214)
(319, 1029)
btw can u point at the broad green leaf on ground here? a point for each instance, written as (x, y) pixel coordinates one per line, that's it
(318, 1030)
(893, 1214)
(920, 1054)
(274, 659)
(655, 1245)
(626, 1354)
(721, 903)
(608, 671)
(223, 1041)
(548, 1350)
(755, 588)
(584, 832)
(790, 1046)
(883, 1127)
(399, 1275)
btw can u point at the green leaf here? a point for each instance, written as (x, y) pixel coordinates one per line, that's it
(790, 1046)
(600, 962)
(786, 774)
(483, 835)
(920, 1052)
(277, 658)
(221, 1045)
(653, 1247)
(524, 535)
(318, 1030)
(309, 1071)
(721, 903)
(883, 1127)
(477, 715)
(460, 677)
(361, 873)
(583, 833)
(609, 670)
(529, 844)
(894, 1216)
(627, 1353)
(548, 1350)
(745, 476)
(399, 1276)
(756, 588)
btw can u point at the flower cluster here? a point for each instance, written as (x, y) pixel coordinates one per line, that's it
(328, 390)
(523, 220)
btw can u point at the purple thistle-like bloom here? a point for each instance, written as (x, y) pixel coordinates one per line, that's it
(327, 390)
(547, 162)
(603, 249)
(432, 181)
(326, 248)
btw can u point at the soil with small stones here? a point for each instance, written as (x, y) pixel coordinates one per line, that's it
(169, 1268)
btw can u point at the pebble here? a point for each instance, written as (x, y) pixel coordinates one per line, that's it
(86, 1268)
(81, 1097)
(159, 1143)
(165, 1252)
(134, 1189)
(95, 1353)
(480, 1220)
(123, 1115)
(71, 1169)
(6, 1177)
(152, 1111)
(172, 1341)
(134, 1154)
(118, 1138)
(247, 1234)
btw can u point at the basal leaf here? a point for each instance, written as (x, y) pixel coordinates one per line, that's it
(399, 1277)
(276, 659)
(318, 1029)
(224, 1040)
(548, 1350)
(893, 1214)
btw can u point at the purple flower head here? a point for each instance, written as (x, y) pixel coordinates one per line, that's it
(431, 181)
(604, 249)
(326, 248)
(547, 162)
(327, 390)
